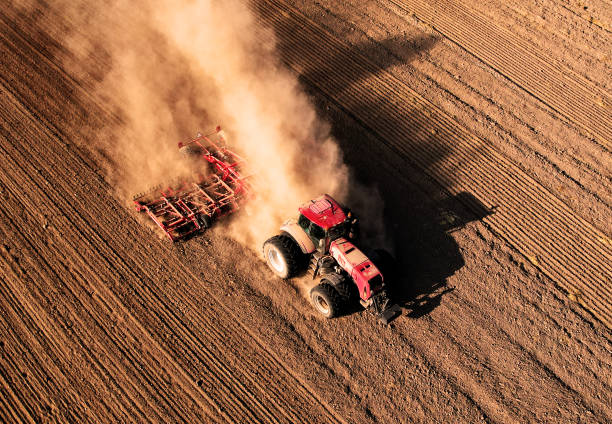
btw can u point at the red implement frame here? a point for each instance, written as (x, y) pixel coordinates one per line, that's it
(191, 206)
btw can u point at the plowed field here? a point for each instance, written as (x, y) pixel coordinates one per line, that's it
(486, 127)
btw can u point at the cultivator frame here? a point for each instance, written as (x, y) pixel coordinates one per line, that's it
(189, 207)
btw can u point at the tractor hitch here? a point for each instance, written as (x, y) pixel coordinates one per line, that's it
(380, 305)
(390, 313)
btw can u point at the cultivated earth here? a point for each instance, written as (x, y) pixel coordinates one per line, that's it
(486, 127)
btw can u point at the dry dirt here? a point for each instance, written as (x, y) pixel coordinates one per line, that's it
(486, 127)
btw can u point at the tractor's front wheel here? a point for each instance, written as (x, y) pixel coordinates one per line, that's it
(326, 300)
(283, 256)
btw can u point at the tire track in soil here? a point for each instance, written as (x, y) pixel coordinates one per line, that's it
(192, 306)
(580, 13)
(564, 246)
(555, 85)
(79, 317)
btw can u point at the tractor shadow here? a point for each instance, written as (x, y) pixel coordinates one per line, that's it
(420, 237)
(406, 205)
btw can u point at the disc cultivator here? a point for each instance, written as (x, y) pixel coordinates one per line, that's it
(190, 206)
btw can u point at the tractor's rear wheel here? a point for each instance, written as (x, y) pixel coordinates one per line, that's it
(283, 256)
(347, 289)
(326, 300)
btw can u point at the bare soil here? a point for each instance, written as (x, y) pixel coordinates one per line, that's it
(486, 128)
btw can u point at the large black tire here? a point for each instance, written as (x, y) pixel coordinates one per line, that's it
(326, 300)
(283, 256)
(347, 289)
(326, 265)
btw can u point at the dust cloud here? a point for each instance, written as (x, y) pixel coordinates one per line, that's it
(176, 68)
(267, 116)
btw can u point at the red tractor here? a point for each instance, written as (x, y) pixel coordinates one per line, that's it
(322, 237)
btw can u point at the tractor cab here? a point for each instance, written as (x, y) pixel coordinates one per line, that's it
(324, 221)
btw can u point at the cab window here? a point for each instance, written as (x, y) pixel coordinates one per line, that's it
(316, 231)
(304, 223)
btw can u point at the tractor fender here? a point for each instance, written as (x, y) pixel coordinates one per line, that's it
(296, 232)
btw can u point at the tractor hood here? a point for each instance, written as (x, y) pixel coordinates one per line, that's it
(362, 270)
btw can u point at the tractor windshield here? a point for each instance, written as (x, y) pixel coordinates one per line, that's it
(304, 223)
(315, 232)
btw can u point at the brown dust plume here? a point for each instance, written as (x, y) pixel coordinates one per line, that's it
(176, 68)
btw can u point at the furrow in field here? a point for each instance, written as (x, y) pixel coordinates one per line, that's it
(13, 409)
(558, 378)
(96, 266)
(435, 150)
(99, 267)
(388, 94)
(113, 211)
(601, 272)
(13, 31)
(29, 329)
(139, 275)
(13, 370)
(458, 160)
(574, 97)
(583, 162)
(61, 288)
(79, 238)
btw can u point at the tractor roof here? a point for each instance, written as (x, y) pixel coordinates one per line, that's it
(323, 211)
